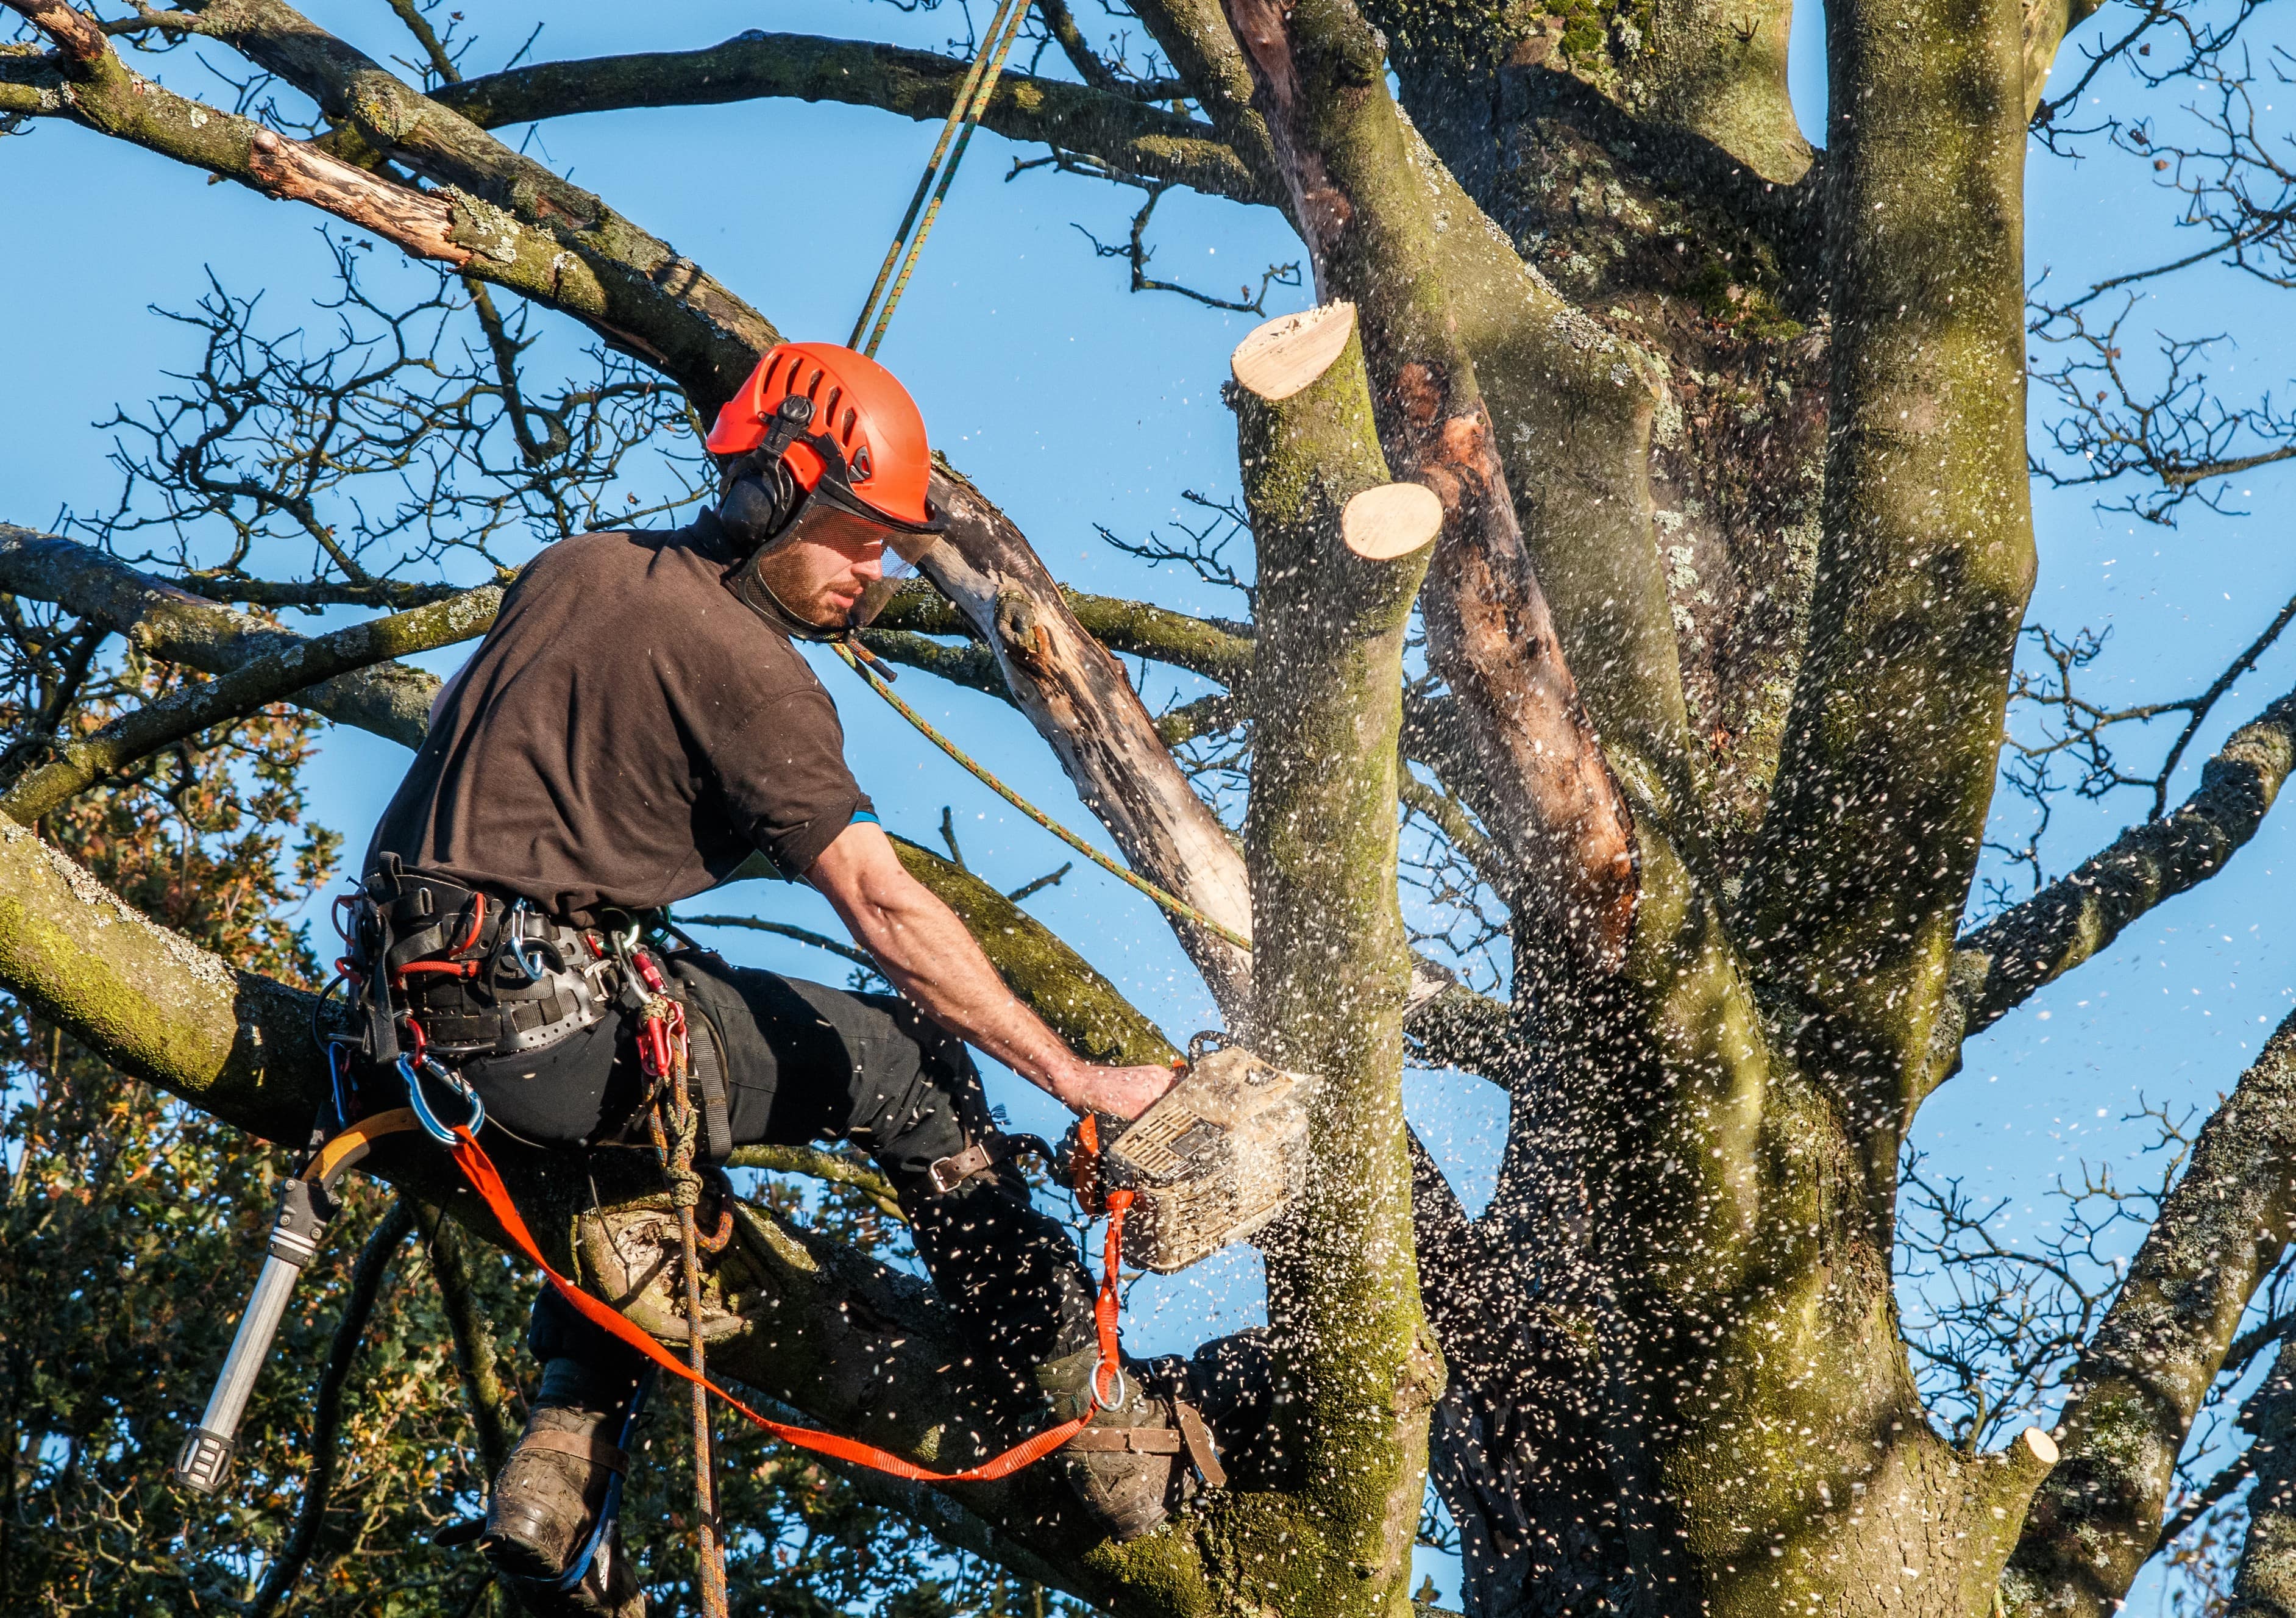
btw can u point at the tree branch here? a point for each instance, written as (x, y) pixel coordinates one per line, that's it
(2158, 1348)
(175, 627)
(815, 1163)
(1121, 131)
(2265, 1585)
(495, 214)
(257, 683)
(327, 1414)
(475, 1360)
(1078, 697)
(1996, 966)
(1863, 860)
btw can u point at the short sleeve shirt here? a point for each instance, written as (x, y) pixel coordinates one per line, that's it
(626, 734)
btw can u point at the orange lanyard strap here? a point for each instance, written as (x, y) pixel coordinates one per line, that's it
(479, 1169)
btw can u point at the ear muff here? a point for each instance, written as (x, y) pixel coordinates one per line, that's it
(750, 512)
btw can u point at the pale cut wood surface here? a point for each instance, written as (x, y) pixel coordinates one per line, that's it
(1393, 520)
(1285, 354)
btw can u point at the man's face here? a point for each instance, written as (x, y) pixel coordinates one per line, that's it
(820, 571)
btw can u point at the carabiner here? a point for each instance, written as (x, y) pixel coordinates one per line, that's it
(512, 935)
(424, 1115)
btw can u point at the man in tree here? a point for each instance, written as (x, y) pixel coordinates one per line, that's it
(634, 726)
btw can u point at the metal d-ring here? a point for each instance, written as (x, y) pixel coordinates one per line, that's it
(624, 944)
(1123, 1388)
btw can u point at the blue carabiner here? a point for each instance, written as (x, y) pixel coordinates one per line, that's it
(519, 945)
(424, 1115)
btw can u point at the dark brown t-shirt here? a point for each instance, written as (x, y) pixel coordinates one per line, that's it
(624, 735)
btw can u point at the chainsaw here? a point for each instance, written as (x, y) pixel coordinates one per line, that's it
(1213, 1161)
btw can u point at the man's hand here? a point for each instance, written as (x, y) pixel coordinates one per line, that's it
(934, 962)
(1125, 1091)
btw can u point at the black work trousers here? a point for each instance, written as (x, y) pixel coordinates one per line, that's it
(807, 1063)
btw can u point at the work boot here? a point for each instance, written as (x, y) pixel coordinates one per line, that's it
(545, 1506)
(1131, 1467)
(607, 1589)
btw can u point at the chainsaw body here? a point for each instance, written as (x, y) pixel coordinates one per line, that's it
(1218, 1156)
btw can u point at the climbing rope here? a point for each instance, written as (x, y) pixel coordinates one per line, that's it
(1175, 906)
(964, 112)
(663, 1052)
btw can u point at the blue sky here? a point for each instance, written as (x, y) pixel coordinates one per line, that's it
(1076, 404)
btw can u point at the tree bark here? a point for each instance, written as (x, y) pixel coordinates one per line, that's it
(2143, 1375)
(1331, 965)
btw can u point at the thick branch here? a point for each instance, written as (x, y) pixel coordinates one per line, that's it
(1865, 858)
(1120, 131)
(2154, 1359)
(2080, 914)
(2264, 1587)
(1078, 697)
(1338, 573)
(174, 627)
(259, 681)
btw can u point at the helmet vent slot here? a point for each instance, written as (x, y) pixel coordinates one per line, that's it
(845, 429)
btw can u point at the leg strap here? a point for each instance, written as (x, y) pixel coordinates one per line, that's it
(706, 1066)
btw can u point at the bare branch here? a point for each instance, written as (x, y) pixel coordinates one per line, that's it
(1117, 128)
(257, 683)
(174, 625)
(2080, 914)
(2159, 1349)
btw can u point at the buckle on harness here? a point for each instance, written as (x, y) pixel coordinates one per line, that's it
(947, 1173)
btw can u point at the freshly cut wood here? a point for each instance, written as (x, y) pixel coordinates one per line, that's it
(1390, 521)
(1285, 354)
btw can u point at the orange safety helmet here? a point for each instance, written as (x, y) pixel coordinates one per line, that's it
(868, 439)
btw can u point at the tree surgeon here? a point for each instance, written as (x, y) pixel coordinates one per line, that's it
(635, 725)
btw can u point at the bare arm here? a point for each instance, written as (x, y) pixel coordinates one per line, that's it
(934, 962)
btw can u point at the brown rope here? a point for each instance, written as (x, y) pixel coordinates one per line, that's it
(675, 1123)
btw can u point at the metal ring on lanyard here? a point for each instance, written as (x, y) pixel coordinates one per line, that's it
(424, 1115)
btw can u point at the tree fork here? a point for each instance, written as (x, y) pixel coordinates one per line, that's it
(1341, 556)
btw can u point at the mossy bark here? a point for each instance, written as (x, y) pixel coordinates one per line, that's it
(1865, 859)
(1331, 968)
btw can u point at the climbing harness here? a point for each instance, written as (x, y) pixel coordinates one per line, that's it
(873, 673)
(972, 98)
(382, 959)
